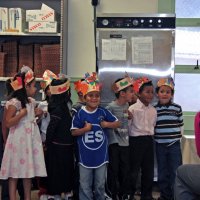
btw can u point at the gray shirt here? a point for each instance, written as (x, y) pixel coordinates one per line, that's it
(119, 135)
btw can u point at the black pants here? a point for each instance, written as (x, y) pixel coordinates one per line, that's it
(142, 158)
(118, 169)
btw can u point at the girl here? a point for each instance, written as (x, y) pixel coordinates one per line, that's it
(23, 155)
(59, 142)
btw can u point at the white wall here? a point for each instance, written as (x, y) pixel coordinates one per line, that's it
(81, 50)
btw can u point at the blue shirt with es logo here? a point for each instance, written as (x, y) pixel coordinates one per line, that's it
(93, 145)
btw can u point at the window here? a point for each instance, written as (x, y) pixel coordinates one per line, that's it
(187, 42)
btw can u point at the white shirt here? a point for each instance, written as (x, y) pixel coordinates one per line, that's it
(144, 119)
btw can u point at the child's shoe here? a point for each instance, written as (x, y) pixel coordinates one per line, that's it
(44, 197)
(68, 196)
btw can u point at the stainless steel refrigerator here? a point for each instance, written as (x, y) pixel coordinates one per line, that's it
(139, 44)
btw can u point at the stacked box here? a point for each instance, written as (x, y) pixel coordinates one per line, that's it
(3, 19)
(17, 19)
(26, 55)
(37, 61)
(2, 63)
(10, 48)
(50, 57)
(42, 21)
(42, 27)
(40, 15)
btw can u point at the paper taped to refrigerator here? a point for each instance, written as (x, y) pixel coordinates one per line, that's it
(113, 49)
(142, 50)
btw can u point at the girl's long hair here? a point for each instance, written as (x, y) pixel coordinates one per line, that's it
(20, 94)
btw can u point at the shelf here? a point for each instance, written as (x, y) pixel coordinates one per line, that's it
(29, 34)
(6, 78)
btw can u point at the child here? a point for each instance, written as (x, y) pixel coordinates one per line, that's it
(48, 76)
(75, 108)
(167, 136)
(141, 131)
(59, 142)
(5, 131)
(118, 167)
(90, 124)
(23, 155)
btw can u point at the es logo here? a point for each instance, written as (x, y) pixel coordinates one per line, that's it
(95, 138)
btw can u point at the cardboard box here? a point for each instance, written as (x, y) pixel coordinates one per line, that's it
(42, 27)
(40, 15)
(3, 19)
(17, 19)
(46, 13)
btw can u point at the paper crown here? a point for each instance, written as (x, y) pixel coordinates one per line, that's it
(139, 82)
(166, 81)
(29, 76)
(48, 76)
(89, 84)
(124, 83)
(17, 84)
(59, 89)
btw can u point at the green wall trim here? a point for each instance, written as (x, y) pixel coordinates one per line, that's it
(187, 22)
(166, 6)
(186, 69)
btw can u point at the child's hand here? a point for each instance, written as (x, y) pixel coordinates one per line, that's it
(23, 112)
(130, 115)
(38, 112)
(104, 124)
(87, 126)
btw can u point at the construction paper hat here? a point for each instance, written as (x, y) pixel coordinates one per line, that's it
(166, 81)
(48, 76)
(89, 84)
(139, 82)
(29, 76)
(59, 89)
(122, 84)
(17, 84)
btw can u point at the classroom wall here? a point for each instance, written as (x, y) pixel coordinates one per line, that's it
(81, 48)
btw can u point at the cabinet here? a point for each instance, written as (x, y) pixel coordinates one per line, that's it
(23, 42)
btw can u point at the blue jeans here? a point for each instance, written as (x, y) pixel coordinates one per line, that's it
(92, 183)
(169, 158)
(187, 183)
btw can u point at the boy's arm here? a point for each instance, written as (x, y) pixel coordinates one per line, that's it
(82, 131)
(115, 124)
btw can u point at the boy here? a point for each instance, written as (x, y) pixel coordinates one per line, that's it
(167, 136)
(75, 108)
(90, 124)
(118, 167)
(141, 130)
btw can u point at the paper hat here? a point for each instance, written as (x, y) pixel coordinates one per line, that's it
(59, 89)
(90, 84)
(124, 83)
(139, 82)
(25, 69)
(48, 76)
(17, 84)
(29, 76)
(166, 81)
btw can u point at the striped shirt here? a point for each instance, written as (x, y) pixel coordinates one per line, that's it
(169, 123)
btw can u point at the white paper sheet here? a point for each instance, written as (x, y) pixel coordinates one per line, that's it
(142, 50)
(113, 49)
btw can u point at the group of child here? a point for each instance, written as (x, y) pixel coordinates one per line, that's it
(112, 144)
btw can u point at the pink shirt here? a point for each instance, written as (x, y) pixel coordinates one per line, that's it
(144, 119)
(197, 132)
